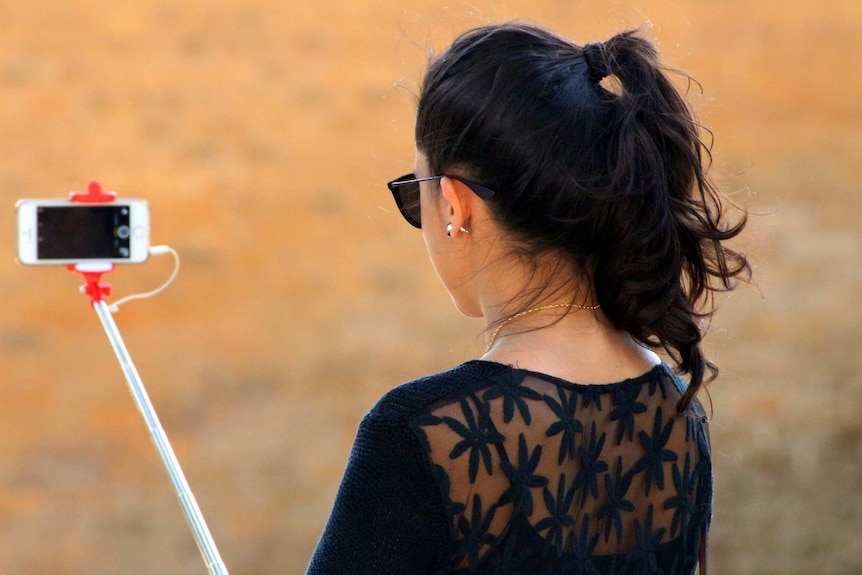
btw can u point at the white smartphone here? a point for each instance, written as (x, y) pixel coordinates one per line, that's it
(57, 231)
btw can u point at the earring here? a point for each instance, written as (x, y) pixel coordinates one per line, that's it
(449, 230)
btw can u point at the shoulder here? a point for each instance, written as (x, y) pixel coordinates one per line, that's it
(412, 397)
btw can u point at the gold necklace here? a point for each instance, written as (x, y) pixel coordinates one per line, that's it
(533, 310)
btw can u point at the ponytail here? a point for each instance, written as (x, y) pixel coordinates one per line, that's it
(655, 277)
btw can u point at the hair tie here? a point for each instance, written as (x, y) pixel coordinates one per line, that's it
(597, 63)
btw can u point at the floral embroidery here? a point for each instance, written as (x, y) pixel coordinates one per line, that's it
(591, 466)
(627, 406)
(616, 487)
(611, 468)
(477, 435)
(475, 532)
(513, 395)
(559, 518)
(568, 424)
(683, 502)
(523, 478)
(656, 453)
(581, 553)
(644, 557)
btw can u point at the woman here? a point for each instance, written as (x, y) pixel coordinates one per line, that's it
(576, 220)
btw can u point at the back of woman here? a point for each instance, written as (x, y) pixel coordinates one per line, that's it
(542, 475)
(562, 196)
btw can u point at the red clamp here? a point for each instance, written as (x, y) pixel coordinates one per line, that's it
(93, 195)
(92, 275)
(93, 272)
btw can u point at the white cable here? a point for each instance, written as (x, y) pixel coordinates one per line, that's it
(154, 251)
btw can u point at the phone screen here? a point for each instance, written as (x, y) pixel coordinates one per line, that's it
(82, 232)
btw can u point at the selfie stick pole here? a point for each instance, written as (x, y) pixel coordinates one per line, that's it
(92, 273)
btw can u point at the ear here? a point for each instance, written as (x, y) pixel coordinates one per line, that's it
(460, 204)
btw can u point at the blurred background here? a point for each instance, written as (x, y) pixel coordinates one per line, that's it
(262, 133)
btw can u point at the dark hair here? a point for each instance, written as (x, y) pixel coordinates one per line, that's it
(612, 179)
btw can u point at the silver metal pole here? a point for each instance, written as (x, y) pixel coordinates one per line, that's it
(204, 539)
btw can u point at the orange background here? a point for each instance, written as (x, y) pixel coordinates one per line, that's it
(263, 133)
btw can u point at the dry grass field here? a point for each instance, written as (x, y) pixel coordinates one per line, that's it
(262, 133)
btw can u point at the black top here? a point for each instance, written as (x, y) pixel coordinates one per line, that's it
(490, 469)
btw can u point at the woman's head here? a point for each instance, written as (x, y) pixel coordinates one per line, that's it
(609, 183)
(513, 107)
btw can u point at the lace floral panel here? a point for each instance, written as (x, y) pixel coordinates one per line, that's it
(540, 471)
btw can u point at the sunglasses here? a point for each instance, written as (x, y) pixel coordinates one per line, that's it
(405, 190)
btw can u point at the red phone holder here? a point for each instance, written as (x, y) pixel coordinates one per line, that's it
(93, 195)
(93, 272)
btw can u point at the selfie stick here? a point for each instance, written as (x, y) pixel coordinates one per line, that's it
(97, 291)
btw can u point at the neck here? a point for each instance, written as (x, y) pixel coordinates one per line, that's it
(582, 346)
(579, 345)
(562, 307)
